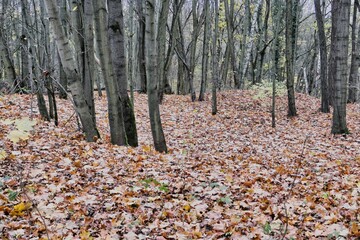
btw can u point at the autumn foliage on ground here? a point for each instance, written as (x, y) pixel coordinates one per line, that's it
(228, 176)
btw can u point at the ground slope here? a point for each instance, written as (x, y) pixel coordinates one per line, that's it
(229, 176)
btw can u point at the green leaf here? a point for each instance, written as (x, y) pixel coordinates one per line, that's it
(226, 200)
(12, 195)
(267, 228)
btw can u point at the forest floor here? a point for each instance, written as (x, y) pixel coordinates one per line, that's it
(228, 176)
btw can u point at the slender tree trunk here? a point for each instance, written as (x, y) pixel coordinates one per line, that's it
(205, 55)
(9, 69)
(290, 51)
(264, 43)
(243, 49)
(215, 59)
(340, 35)
(323, 58)
(67, 59)
(118, 56)
(354, 66)
(277, 23)
(131, 51)
(88, 56)
(141, 44)
(116, 120)
(161, 39)
(62, 76)
(151, 71)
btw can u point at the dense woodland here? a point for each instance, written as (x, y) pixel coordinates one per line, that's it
(179, 119)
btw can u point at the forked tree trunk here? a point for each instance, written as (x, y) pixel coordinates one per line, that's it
(116, 120)
(73, 74)
(323, 58)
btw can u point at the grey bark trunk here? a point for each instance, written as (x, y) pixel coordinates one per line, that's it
(354, 66)
(76, 88)
(116, 120)
(151, 71)
(323, 58)
(118, 56)
(290, 35)
(340, 35)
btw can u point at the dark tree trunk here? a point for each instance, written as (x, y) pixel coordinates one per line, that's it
(323, 58)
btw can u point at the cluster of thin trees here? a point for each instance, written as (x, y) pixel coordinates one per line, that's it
(177, 46)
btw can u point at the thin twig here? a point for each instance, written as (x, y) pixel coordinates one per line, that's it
(292, 185)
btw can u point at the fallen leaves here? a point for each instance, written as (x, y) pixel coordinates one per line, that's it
(226, 176)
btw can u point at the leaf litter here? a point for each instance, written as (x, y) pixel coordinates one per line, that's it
(228, 176)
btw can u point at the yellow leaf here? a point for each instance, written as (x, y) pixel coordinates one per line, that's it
(146, 148)
(197, 234)
(187, 207)
(19, 209)
(85, 235)
(3, 154)
(75, 8)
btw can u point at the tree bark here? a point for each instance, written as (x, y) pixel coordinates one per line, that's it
(354, 65)
(141, 45)
(215, 59)
(151, 72)
(118, 56)
(161, 39)
(340, 35)
(205, 54)
(116, 120)
(73, 74)
(323, 58)
(290, 35)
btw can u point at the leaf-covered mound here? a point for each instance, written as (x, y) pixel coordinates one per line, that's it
(229, 176)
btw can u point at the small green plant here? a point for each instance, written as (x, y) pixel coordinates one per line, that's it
(335, 235)
(12, 195)
(267, 228)
(225, 200)
(148, 182)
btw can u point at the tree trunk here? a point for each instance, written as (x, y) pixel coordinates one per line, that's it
(141, 44)
(323, 58)
(290, 35)
(205, 54)
(151, 72)
(340, 35)
(76, 88)
(9, 69)
(354, 66)
(116, 120)
(161, 39)
(118, 56)
(215, 59)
